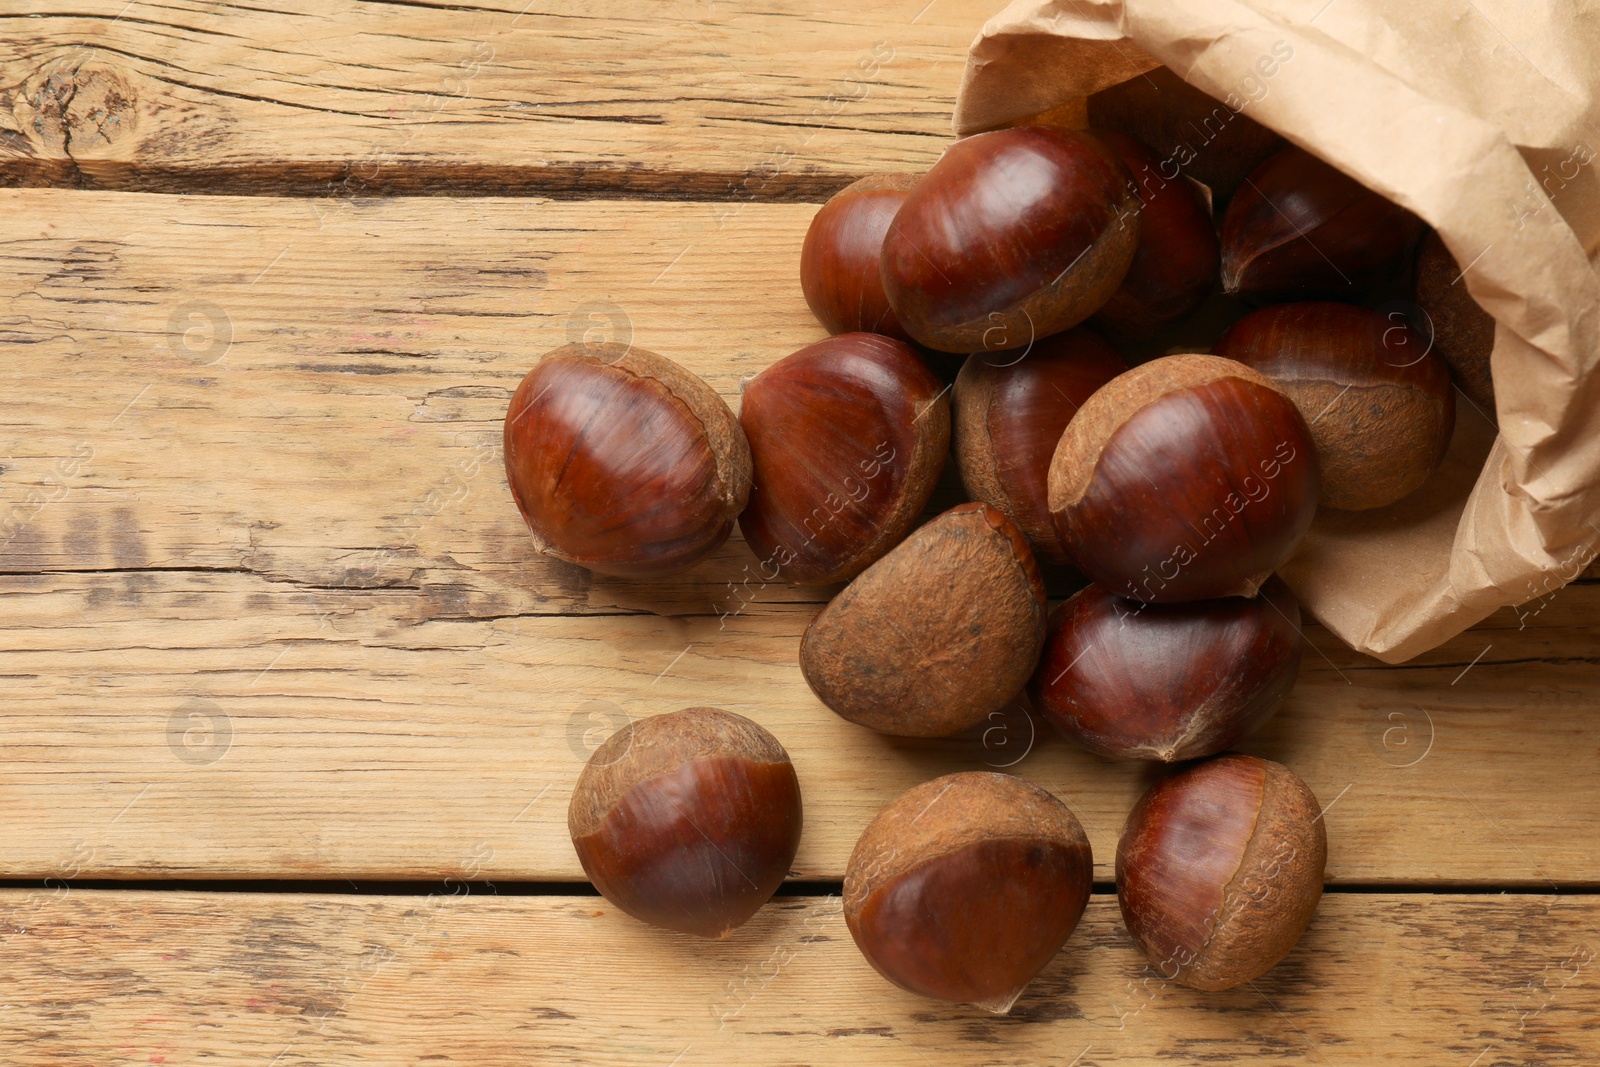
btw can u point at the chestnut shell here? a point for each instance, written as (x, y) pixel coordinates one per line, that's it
(1220, 868)
(1463, 333)
(839, 261)
(1176, 264)
(1186, 478)
(965, 887)
(1212, 142)
(935, 636)
(848, 437)
(1167, 681)
(1301, 229)
(1377, 399)
(1010, 409)
(688, 821)
(1011, 236)
(589, 492)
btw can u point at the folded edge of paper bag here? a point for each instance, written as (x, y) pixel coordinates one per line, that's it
(1395, 582)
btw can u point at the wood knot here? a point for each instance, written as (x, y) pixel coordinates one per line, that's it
(76, 108)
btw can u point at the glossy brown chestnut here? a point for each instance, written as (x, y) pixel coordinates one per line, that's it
(1186, 478)
(688, 821)
(1175, 266)
(964, 887)
(1209, 139)
(1220, 868)
(1009, 411)
(1011, 236)
(839, 262)
(1167, 681)
(1300, 229)
(1379, 403)
(1463, 333)
(848, 437)
(591, 494)
(937, 634)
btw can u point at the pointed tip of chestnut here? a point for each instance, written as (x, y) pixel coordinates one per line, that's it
(1220, 868)
(937, 634)
(587, 491)
(1012, 235)
(1009, 410)
(965, 887)
(688, 821)
(1167, 682)
(848, 437)
(1377, 398)
(839, 260)
(1187, 478)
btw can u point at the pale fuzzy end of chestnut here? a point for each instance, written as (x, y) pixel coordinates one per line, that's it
(1255, 931)
(942, 631)
(647, 748)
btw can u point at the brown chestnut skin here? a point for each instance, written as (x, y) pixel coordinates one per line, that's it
(1463, 333)
(1167, 682)
(1175, 266)
(688, 821)
(1187, 478)
(1210, 141)
(839, 261)
(590, 493)
(1300, 229)
(1220, 868)
(1009, 411)
(1378, 401)
(1011, 236)
(936, 635)
(965, 887)
(848, 437)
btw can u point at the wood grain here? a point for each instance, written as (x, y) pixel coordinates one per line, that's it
(741, 100)
(270, 612)
(459, 978)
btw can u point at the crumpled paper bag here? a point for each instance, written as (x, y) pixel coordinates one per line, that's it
(1482, 118)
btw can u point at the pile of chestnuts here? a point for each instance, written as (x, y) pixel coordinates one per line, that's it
(1104, 450)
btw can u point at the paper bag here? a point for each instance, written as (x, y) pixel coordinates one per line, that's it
(1486, 130)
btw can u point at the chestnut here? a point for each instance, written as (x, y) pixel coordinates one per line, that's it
(1300, 229)
(847, 437)
(1463, 333)
(1011, 236)
(1210, 140)
(1378, 401)
(1167, 681)
(1186, 478)
(936, 635)
(1175, 266)
(688, 821)
(1220, 868)
(965, 887)
(1009, 410)
(839, 259)
(591, 493)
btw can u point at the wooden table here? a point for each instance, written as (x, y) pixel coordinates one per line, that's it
(293, 710)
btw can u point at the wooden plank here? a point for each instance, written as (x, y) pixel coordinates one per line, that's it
(304, 535)
(741, 100)
(96, 978)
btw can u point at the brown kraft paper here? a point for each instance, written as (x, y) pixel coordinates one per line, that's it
(1484, 129)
